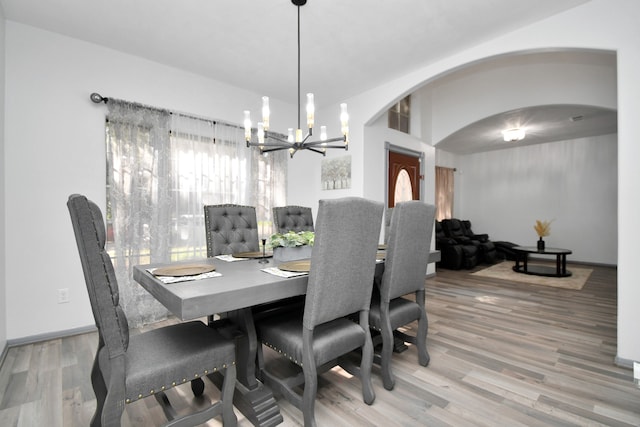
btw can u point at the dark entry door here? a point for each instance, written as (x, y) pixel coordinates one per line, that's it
(404, 178)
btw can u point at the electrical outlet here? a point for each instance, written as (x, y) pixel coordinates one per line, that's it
(63, 295)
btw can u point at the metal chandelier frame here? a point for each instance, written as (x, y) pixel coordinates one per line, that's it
(268, 142)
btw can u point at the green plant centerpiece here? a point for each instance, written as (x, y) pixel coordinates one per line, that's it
(292, 245)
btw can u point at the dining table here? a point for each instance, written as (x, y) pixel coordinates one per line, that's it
(232, 286)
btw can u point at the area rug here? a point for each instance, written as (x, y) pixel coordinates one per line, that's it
(504, 271)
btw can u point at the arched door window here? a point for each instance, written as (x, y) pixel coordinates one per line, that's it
(404, 175)
(404, 188)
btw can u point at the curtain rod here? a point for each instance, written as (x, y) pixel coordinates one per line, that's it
(445, 167)
(97, 98)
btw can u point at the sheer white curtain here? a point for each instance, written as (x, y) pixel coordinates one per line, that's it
(269, 189)
(162, 168)
(444, 192)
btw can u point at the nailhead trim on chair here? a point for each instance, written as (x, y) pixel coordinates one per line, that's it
(282, 353)
(175, 383)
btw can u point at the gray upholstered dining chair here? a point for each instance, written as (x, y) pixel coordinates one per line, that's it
(128, 368)
(230, 229)
(343, 264)
(292, 218)
(405, 268)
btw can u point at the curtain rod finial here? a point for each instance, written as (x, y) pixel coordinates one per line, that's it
(97, 98)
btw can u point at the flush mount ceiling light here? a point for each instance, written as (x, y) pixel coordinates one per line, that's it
(295, 141)
(512, 135)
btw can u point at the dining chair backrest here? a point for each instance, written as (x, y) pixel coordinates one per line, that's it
(128, 368)
(230, 229)
(408, 249)
(343, 259)
(292, 218)
(102, 286)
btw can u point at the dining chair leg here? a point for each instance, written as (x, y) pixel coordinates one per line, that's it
(368, 395)
(229, 418)
(421, 336)
(388, 342)
(388, 379)
(197, 387)
(99, 389)
(310, 372)
(421, 342)
(309, 395)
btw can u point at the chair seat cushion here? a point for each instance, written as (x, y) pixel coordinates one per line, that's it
(401, 312)
(284, 334)
(165, 357)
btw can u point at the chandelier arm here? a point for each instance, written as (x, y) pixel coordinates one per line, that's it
(315, 150)
(344, 147)
(326, 141)
(277, 138)
(257, 144)
(270, 149)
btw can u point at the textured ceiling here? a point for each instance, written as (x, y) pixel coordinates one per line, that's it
(543, 123)
(348, 47)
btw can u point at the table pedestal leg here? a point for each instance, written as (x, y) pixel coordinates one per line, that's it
(251, 397)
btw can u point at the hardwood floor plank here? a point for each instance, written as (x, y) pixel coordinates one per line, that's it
(502, 354)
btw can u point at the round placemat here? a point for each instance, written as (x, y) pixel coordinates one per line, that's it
(184, 270)
(255, 254)
(298, 266)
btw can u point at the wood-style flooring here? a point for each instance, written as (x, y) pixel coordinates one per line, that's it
(502, 354)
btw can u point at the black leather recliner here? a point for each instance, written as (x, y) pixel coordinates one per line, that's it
(488, 253)
(455, 229)
(454, 255)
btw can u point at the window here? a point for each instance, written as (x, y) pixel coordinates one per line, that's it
(162, 168)
(400, 114)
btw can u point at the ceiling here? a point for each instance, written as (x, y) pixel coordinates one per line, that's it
(543, 123)
(252, 43)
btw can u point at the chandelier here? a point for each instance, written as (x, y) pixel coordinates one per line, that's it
(295, 141)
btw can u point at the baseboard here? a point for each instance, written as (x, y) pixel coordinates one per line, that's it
(50, 336)
(623, 363)
(4, 354)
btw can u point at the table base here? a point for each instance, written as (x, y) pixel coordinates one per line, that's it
(254, 399)
(258, 404)
(541, 270)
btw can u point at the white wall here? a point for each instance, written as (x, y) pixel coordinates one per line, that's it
(50, 122)
(598, 24)
(515, 81)
(55, 147)
(504, 192)
(574, 183)
(3, 277)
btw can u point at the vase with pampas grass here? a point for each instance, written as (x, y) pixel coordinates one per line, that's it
(543, 228)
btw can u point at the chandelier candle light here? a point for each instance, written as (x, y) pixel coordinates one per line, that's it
(295, 141)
